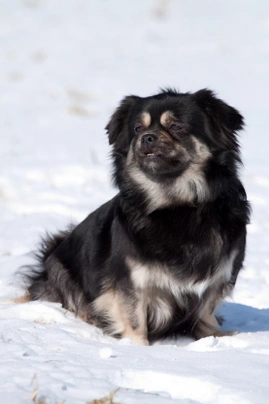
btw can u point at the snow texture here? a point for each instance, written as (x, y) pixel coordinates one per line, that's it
(65, 65)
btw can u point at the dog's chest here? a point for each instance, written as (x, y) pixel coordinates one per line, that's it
(182, 236)
(163, 290)
(158, 277)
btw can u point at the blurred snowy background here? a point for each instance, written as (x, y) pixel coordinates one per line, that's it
(64, 67)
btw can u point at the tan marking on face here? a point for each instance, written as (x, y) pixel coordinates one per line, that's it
(166, 117)
(202, 151)
(146, 119)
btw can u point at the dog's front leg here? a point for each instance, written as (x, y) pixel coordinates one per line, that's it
(137, 329)
(123, 315)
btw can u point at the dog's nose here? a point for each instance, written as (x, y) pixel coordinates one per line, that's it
(148, 138)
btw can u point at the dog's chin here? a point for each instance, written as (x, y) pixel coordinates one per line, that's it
(158, 165)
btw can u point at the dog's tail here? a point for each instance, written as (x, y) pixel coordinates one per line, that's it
(49, 243)
(35, 276)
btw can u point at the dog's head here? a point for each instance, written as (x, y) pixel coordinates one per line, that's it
(174, 136)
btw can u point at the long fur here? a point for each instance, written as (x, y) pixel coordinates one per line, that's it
(157, 259)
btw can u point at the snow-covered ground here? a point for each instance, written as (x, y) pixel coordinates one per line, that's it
(64, 66)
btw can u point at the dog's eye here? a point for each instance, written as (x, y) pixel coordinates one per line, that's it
(178, 129)
(175, 127)
(138, 128)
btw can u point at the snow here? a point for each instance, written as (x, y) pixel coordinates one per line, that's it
(65, 65)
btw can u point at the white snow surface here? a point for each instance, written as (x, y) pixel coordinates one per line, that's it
(64, 66)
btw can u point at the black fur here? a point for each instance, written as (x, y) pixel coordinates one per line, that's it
(174, 236)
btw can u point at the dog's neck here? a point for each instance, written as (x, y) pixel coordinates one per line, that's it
(190, 188)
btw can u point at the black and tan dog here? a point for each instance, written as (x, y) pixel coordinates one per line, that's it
(157, 259)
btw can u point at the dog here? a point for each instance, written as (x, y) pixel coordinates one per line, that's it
(156, 260)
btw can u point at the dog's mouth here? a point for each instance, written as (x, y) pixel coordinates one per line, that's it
(151, 154)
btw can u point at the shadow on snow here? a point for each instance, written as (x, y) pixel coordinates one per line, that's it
(243, 318)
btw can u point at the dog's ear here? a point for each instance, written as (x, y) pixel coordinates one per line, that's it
(119, 120)
(221, 114)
